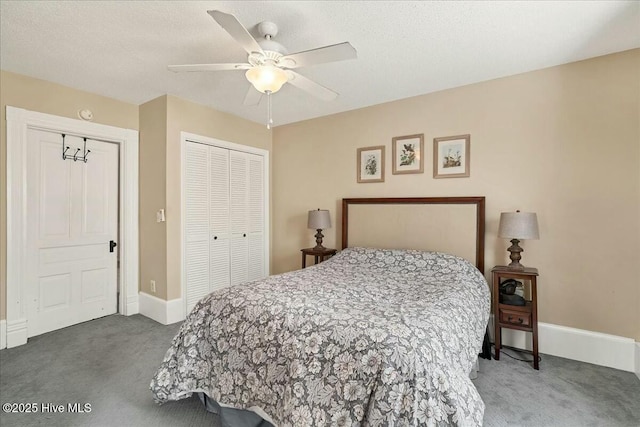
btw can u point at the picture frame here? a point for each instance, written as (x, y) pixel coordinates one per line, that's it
(371, 164)
(408, 154)
(451, 156)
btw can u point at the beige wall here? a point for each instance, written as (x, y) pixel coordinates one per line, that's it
(193, 118)
(563, 142)
(153, 190)
(45, 97)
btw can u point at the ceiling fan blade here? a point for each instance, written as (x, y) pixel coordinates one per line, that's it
(209, 67)
(321, 55)
(253, 96)
(236, 30)
(315, 89)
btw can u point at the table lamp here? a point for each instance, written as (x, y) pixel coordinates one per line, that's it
(515, 226)
(319, 220)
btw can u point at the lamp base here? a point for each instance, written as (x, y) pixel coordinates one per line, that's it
(515, 256)
(319, 236)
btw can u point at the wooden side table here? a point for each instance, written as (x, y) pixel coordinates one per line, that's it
(520, 317)
(318, 254)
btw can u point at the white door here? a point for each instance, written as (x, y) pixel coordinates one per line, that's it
(72, 212)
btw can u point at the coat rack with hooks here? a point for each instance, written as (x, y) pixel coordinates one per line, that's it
(75, 156)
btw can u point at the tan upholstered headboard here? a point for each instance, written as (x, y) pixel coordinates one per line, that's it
(445, 224)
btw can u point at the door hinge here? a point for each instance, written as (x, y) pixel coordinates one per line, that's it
(112, 245)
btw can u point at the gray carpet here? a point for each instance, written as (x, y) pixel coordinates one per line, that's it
(109, 362)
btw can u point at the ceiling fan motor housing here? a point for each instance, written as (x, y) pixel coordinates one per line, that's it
(268, 30)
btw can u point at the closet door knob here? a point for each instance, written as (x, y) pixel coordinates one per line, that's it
(244, 235)
(215, 237)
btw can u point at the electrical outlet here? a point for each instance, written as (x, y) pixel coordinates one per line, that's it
(153, 286)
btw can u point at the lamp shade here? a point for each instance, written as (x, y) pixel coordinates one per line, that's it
(267, 78)
(518, 225)
(319, 219)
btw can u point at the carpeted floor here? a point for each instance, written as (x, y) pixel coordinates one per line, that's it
(108, 364)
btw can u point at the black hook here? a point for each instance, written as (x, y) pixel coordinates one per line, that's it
(75, 157)
(64, 150)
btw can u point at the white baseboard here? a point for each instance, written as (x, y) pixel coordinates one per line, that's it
(133, 306)
(576, 344)
(165, 312)
(638, 360)
(17, 333)
(3, 334)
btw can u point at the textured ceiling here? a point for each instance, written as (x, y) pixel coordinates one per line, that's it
(121, 49)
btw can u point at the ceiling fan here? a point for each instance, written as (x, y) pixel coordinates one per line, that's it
(269, 65)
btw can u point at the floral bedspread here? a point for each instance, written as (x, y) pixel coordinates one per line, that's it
(369, 337)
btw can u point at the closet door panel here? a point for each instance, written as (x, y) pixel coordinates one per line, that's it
(256, 217)
(219, 243)
(239, 191)
(196, 223)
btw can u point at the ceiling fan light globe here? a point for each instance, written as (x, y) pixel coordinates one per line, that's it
(267, 78)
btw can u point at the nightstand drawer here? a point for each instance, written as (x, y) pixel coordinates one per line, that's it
(518, 318)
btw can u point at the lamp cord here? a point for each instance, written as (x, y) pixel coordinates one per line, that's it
(502, 347)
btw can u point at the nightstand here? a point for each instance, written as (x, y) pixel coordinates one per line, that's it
(520, 317)
(318, 254)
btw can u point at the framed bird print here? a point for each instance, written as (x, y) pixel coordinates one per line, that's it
(408, 154)
(371, 164)
(451, 156)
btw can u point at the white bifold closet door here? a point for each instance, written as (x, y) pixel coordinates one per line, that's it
(224, 219)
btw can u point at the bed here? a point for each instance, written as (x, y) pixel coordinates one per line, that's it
(372, 336)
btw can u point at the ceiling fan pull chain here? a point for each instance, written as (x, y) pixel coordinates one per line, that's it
(269, 118)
